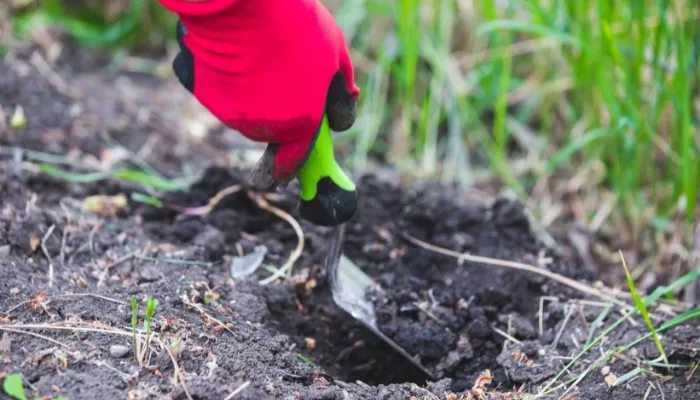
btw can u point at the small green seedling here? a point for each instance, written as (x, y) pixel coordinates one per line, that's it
(140, 348)
(134, 320)
(13, 386)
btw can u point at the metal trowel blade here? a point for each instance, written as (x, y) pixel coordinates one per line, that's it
(349, 286)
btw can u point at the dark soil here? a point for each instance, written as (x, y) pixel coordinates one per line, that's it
(452, 316)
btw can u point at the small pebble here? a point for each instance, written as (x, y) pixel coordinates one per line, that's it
(605, 370)
(118, 351)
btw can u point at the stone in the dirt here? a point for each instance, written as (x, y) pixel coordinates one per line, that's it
(118, 351)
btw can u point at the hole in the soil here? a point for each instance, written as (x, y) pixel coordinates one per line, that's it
(342, 346)
(347, 350)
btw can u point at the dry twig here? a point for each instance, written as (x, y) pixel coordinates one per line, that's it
(506, 335)
(59, 296)
(287, 267)
(4, 328)
(178, 371)
(240, 389)
(518, 266)
(201, 310)
(206, 210)
(75, 327)
(43, 67)
(46, 237)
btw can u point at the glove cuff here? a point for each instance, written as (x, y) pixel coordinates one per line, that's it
(198, 8)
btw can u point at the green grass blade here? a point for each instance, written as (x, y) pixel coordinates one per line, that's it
(525, 27)
(597, 322)
(681, 282)
(148, 180)
(134, 176)
(639, 303)
(574, 146)
(146, 199)
(73, 177)
(681, 319)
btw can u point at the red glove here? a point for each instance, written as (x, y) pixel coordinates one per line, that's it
(269, 69)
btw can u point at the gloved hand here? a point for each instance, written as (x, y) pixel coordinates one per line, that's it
(270, 69)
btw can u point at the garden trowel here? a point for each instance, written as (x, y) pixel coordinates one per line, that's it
(329, 198)
(350, 286)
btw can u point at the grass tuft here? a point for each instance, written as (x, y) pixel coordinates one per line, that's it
(551, 386)
(141, 347)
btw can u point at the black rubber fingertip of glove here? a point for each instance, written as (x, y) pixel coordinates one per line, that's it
(183, 64)
(341, 108)
(331, 206)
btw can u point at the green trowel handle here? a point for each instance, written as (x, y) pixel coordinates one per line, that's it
(328, 195)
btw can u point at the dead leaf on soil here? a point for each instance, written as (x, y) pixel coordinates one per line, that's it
(520, 357)
(39, 303)
(105, 206)
(5, 348)
(479, 388)
(211, 296)
(611, 379)
(34, 242)
(310, 343)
